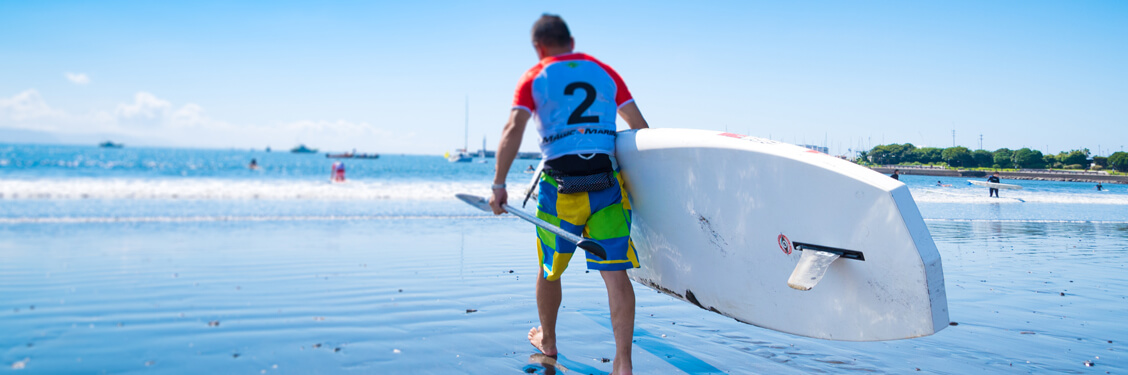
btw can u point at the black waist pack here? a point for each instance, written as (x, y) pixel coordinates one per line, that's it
(575, 174)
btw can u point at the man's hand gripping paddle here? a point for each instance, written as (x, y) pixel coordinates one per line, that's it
(586, 244)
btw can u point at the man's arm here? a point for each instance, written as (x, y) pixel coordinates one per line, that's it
(506, 152)
(630, 113)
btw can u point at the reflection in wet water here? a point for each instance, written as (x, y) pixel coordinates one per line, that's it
(394, 296)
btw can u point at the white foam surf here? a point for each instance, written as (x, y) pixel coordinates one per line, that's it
(224, 189)
(204, 219)
(979, 196)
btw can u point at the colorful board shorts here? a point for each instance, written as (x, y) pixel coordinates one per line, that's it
(604, 216)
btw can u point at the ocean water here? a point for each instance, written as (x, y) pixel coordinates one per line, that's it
(184, 261)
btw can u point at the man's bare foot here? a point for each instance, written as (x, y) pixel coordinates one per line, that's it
(622, 372)
(536, 337)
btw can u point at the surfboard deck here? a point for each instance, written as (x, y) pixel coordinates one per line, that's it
(995, 185)
(721, 220)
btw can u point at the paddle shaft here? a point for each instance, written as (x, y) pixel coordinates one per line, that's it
(588, 245)
(583, 243)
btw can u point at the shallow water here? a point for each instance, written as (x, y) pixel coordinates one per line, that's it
(392, 296)
(184, 261)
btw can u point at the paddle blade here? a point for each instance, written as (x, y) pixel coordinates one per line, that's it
(476, 201)
(593, 247)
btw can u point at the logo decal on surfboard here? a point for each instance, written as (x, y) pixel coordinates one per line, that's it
(784, 244)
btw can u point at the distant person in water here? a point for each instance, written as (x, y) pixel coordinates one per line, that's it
(896, 174)
(253, 165)
(530, 169)
(337, 172)
(1099, 187)
(941, 184)
(993, 192)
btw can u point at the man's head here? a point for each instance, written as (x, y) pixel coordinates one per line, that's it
(896, 171)
(996, 174)
(551, 36)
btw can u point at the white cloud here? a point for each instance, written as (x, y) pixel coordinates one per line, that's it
(77, 78)
(149, 118)
(145, 106)
(23, 106)
(190, 113)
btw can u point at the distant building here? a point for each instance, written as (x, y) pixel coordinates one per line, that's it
(816, 148)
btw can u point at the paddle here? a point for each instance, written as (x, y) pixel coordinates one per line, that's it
(586, 244)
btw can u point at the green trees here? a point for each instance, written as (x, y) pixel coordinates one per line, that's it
(958, 156)
(1119, 160)
(962, 157)
(1075, 157)
(927, 155)
(1002, 157)
(1027, 158)
(1100, 161)
(982, 158)
(891, 154)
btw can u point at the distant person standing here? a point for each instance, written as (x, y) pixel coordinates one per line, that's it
(993, 192)
(253, 165)
(896, 174)
(337, 172)
(1099, 187)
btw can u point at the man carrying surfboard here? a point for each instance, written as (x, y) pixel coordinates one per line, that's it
(575, 98)
(993, 191)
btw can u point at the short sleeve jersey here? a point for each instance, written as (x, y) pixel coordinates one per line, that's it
(574, 98)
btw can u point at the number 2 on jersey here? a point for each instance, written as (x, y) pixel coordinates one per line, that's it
(577, 116)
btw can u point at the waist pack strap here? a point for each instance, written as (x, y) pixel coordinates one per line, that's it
(568, 184)
(577, 165)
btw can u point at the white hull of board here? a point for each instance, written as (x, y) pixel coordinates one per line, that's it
(709, 212)
(995, 185)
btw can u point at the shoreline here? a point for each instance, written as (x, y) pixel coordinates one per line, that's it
(1093, 177)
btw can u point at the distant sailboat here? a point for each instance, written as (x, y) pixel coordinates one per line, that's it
(462, 156)
(482, 152)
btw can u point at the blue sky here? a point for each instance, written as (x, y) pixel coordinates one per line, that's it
(393, 76)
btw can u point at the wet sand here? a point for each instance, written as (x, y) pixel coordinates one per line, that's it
(437, 295)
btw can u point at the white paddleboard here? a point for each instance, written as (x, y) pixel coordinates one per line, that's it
(995, 185)
(723, 221)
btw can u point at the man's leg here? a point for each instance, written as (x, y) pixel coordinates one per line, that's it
(621, 298)
(548, 305)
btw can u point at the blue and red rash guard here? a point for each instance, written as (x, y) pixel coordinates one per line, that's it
(574, 98)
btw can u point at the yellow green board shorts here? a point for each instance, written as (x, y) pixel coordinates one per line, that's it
(604, 216)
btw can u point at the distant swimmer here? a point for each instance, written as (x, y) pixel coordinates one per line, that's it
(896, 174)
(253, 165)
(993, 192)
(941, 184)
(1099, 187)
(337, 172)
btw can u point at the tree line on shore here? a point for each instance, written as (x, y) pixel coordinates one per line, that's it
(962, 157)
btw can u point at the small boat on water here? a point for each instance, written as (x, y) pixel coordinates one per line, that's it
(352, 155)
(109, 144)
(460, 156)
(302, 149)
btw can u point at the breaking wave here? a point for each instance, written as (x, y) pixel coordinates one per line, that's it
(226, 189)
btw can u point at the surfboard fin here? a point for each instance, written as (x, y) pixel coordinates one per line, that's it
(811, 269)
